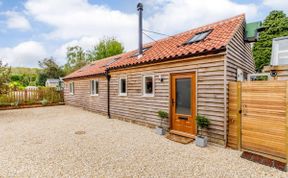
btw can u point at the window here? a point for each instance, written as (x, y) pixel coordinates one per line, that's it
(71, 88)
(94, 87)
(123, 86)
(199, 37)
(148, 85)
(280, 51)
(144, 49)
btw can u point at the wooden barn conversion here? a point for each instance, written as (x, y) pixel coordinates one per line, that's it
(185, 74)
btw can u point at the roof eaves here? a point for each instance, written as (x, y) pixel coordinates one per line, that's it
(158, 60)
(84, 76)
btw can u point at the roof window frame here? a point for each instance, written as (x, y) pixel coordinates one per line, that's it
(198, 40)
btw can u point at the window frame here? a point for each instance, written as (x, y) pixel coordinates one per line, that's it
(120, 87)
(199, 33)
(73, 88)
(144, 86)
(96, 87)
(276, 52)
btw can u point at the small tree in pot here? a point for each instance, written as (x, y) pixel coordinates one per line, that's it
(202, 123)
(163, 116)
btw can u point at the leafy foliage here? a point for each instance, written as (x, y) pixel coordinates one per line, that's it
(276, 24)
(16, 85)
(162, 114)
(105, 48)
(24, 76)
(24, 70)
(76, 58)
(202, 122)
(50, 69)
(41, 79)
(5, 72)
(24, 79)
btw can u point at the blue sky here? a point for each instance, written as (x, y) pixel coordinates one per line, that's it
(33, 29)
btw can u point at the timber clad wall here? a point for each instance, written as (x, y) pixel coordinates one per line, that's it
(210, 92)
(239, 55)
(82, 97)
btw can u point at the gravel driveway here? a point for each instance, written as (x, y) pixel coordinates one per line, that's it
(41, 142)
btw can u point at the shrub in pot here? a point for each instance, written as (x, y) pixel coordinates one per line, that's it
(163, 116)
(202, 123)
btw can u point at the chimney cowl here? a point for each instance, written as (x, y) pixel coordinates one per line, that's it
(140, 6)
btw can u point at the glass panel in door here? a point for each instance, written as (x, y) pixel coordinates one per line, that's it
(183, 96)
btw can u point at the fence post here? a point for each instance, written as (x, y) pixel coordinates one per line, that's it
(25, 96)
(239, 113)
(286, 124)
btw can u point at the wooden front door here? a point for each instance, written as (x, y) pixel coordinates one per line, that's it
(183, 104)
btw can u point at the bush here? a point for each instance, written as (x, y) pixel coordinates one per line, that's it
(202, 122)
(162, 114)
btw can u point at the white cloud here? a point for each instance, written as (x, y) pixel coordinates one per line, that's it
(16, 21)
(86, 43)
(179, 15)
(78, 22)
(24, 54)
(277, 4)
(75, 19)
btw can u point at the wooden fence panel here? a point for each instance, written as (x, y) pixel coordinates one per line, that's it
(258, 117)
(264, 117)
(31, 96)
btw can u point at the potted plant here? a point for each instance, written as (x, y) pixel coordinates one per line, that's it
(202, 123)
(160, 129)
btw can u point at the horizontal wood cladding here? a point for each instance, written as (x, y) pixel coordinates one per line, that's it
(239, 55)
(82, 94)
(210, 92)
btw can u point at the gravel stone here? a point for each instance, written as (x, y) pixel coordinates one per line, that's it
(41, 142)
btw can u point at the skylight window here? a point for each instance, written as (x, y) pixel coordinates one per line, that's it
(114, 60)
(137, 53)
(199, 37)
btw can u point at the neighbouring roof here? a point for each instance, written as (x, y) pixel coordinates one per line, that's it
(251, 30)
(53, 80)
(169, 48)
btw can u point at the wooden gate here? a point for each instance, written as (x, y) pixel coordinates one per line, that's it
(257, 117)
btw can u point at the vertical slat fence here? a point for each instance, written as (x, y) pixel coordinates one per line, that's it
(31, 96)
(258, 117)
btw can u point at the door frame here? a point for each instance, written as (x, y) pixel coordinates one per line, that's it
(195, 72)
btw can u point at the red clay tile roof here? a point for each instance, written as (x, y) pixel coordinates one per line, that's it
(169, 48)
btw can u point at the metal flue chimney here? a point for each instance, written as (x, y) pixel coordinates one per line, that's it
(140, 9)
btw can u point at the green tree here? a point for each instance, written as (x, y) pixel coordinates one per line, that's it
(76, 58)
(50, 69)
(105, 48)
(276, 24)
(41, 79)
(5, 72)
